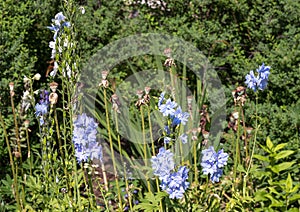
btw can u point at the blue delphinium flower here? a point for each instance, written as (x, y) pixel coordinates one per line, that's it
(168, 108)
(183, 138)
(212, 163)
(251, 81)
(85, 140)
(179, 117)
(176, 183)
(41, 108)
(162, 163)
(161, 99)
(167, 130)
(44, 97)
(261, 80)
(58, 24)
(167, 140)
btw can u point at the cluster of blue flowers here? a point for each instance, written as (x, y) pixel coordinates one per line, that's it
(58, 23)
(163, 163)
(213, 162)
(41, 108)
(174, 183)
(173, 111)
(261, 80)
(85, 140)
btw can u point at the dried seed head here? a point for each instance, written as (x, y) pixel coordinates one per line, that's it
(240, 90)
(235, 115)
(104, 83)
(104, 74)
(11, 86)
(168, 52)
(140, 93)
(114, 97)
(169, 62)
(26, 123)
(147, 90)
(53, 98)
(189, 100)
(17, 154)
(205, 134)
(26, 80)
(53, 86)
(249, 130)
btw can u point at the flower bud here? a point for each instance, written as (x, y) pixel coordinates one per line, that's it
(104, 74)
(26, 123)
(147, 90)
(11, 86)
(235, 115)
(139, 93)
(53, 98)
(26, 79)
(53, 86)
(37, 77)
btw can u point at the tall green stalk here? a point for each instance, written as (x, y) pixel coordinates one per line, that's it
(18, 145)
(145, 146)
(111, 148)
(253, 147)
(13, 168)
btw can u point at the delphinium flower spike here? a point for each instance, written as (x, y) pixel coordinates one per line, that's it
(261, 80)
(213, 162)
(84, 139)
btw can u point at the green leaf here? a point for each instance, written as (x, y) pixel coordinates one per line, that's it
(288, 184)
(240, 168)
(260, 195)
(294, 197)
(269, 143)
(282, 166)
(275, 202)
(261, 158)
(279, 146)
(283, 154)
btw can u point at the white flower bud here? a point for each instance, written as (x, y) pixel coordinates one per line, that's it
(37, 77)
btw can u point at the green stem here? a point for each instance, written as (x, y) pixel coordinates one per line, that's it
(112, 149)
(29, 156)
(253, 147)
(19, 145)
(15, 184)
(195, 161)
(145, 146)
(153, 152)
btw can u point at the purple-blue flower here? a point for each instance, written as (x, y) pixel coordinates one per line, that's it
(261, 80)
(162, 163)
(176, 183)
(212, 163)
(168, 108)
(167, 140)
(41, 109)
(161, 99)
(44, 97)
(184, 138)
(251, 81)
(58, 24)
(85, 140)
(167, 130)
(179, 117)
